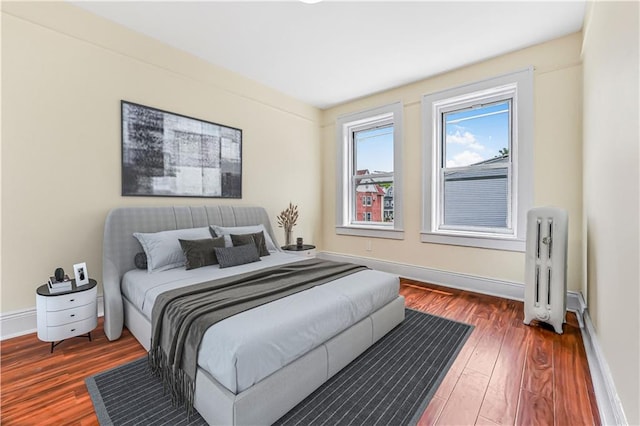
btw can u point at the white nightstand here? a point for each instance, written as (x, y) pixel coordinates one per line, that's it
(307, 250)
(67, 314)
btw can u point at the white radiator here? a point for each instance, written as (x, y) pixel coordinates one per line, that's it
(545, 292)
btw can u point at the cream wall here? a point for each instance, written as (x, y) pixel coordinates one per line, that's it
(612, 189)
(64, 72)
(557, 169)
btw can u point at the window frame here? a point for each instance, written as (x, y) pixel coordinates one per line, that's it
(346, 221)
(517, 86)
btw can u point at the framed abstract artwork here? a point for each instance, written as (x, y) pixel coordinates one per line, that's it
(170, 155)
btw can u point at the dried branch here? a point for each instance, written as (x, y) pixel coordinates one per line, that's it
(288, 218)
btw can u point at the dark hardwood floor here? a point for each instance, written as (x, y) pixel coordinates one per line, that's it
(507, 373)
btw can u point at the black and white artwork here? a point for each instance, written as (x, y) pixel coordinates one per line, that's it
(167, 154)
(81, 274)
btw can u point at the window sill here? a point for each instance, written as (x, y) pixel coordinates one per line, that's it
(495, 243)
(374, 232)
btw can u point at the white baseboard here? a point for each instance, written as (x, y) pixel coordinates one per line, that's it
(19, 323)
(609, 405)
(494, 287)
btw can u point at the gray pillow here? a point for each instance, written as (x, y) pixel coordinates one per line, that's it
(238, 255)
(218, 231)
(163, 249)
(140, 260)
(201, 253)
(257, 239)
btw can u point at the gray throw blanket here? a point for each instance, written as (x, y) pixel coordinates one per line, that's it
(180, 317)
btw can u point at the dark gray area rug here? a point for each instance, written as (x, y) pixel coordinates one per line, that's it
(390, 384)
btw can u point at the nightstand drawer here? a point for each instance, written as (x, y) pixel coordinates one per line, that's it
(73, 300)
(306, 250)
(303, 253)
(65, 316)
(307, 253)
(54, 334)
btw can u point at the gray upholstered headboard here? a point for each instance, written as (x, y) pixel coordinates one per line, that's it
(120, 246)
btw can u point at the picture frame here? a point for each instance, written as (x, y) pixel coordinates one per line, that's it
(81, 273)
(165, 154)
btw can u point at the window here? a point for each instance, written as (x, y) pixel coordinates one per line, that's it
(369, 173)
(478, 163)
(475, 168)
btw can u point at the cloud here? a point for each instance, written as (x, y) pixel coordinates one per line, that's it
(465, 158)
(465, 138)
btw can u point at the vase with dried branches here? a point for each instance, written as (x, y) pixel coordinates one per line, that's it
(287, 219)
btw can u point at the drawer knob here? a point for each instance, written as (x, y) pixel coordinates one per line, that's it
(73, 329)
(72, 300)
(72, 315)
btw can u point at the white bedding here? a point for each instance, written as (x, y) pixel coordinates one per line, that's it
(244, 349)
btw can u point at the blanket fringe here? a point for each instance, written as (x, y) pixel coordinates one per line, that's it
(174, 379)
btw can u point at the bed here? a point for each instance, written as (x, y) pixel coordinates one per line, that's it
(256, 376)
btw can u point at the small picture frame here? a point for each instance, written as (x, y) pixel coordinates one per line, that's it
(81, 273)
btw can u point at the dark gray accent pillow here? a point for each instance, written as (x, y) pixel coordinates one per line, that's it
(257, 239)
(140, 260)
(237, 255)
(201, 253)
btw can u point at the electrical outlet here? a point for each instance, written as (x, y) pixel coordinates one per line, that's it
(368, 245)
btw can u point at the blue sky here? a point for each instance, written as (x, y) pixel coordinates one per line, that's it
(375, 150)
(477, 134)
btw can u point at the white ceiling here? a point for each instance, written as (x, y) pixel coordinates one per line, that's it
(331, 52)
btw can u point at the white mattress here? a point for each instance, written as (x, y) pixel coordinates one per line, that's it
(244, 349)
